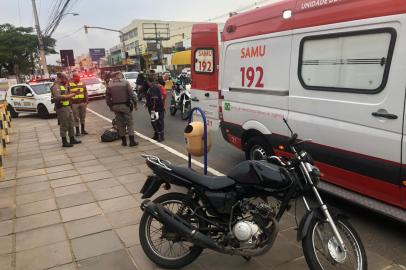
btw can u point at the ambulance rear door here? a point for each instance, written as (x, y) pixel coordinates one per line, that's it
(204, 71)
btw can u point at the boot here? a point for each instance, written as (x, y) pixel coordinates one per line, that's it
(161, 137)
(74, 141)
(155, 137)
(65, 142)
(132, 141)
(84, 132)
(123, 141)
(77, 131)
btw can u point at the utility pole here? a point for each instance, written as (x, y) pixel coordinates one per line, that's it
(43, 60)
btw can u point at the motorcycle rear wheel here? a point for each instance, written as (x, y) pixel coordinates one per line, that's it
(160, 252)
(322, 251)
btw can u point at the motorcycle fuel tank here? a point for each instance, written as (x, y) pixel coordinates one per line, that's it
(262, 173)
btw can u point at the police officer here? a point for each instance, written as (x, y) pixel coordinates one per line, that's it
(79, 103)
(121, 100)
(62, 99)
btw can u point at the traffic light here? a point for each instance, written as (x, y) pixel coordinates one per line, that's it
(86, 31)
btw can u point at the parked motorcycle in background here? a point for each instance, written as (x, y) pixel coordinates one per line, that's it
(181, 99)
(239, 214)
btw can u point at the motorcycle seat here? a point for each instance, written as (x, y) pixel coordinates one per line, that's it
(210, 182)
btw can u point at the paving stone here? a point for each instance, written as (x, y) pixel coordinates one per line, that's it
(32, 188)
(130, 178)
(114, 260)
(30, 173)
(109, 160)
(35, 208)
(60, 168)
(299, 263)
(101, 184)
(83, 158)
(7, 184)
(282, 252)
(109, 193)
(39, 258)
(7, 192)
(40, 237)
(96, 176)
(6, 262)
(129, 235)
(222, 261)
(64, 174)
(37, 221)
(95, 244)
(74, 199)
(6, 227)
(70, 266)
(63, 191)
(34, 197)
(87, 226)
(116, 204)
(7, 202)
(57, 162)
(31, 180)
(124, 171)
(6, 244)
(55, 157)
(81, 211)
(7, 213)
(90, 169)
(134, 187)
(66, 181)
(124, 218)
(86, 163)
(118, 164)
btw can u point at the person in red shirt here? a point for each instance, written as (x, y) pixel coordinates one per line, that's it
(163, 91)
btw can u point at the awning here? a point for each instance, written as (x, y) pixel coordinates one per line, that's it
(181, 58)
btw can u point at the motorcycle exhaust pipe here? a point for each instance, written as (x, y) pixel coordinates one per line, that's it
(180, 226)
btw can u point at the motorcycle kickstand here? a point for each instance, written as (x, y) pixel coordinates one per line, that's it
(247, 258)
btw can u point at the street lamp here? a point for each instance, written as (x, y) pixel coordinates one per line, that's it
(60, 19)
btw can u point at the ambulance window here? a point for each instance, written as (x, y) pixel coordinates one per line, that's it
(348, 62)
(204, 60)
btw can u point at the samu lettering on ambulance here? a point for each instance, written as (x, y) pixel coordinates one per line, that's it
(205, 52)
(252, 52)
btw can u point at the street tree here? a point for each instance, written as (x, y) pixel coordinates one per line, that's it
(19, 49)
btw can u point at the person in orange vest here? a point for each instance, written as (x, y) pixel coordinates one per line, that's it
(79, 103)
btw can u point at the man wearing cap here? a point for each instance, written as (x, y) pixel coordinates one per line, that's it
(121, 100)
(79, 103)
(62, 99)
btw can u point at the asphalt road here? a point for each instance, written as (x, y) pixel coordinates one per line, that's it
(384, 238)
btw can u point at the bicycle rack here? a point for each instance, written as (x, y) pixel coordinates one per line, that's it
(204, 136)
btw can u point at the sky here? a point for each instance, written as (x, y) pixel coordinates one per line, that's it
(114, 14)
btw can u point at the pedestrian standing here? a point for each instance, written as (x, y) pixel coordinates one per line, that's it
(155, 108)
(79, 103)
(163, 92)
(62, 99)
(122, 101)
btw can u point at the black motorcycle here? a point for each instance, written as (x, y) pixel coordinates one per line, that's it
(238, 214)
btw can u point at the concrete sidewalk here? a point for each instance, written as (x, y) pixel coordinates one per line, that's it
(78, 208)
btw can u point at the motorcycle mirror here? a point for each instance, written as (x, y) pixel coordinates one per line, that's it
(293, 139)
(287, 124)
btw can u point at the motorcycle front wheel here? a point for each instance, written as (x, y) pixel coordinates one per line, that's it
(172, 108)
(165, 248)
(186, 110)
(322, 251)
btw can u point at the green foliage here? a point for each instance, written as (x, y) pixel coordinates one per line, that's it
(19, 48)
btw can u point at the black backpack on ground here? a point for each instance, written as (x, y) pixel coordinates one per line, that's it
(110, 135)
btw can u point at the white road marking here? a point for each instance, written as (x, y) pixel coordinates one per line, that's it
(167, 148)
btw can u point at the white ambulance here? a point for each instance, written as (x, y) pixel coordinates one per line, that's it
(336, 69)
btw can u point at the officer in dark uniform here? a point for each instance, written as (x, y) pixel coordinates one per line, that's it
(122, 101)
(62, 99)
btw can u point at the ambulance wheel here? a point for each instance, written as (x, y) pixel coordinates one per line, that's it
(257, 149)
(172, 108)
(43, 111)
(13, 113)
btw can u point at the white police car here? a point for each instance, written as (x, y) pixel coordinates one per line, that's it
(31, 97)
